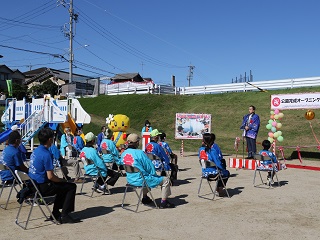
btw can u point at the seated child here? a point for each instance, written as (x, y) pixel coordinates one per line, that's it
(272, 164)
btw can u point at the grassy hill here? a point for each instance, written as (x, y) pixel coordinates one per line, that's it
(227, 111)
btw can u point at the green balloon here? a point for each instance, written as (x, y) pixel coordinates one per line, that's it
(269, 126)
(270, 121)
(280, 138)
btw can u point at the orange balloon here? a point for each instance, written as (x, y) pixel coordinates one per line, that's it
(272, 116)
(309, 115)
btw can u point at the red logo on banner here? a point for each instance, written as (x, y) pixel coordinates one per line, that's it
(128, 159)
(276, 101)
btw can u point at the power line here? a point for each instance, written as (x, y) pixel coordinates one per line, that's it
(123, 45)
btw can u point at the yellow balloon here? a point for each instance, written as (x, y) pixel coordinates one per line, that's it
(309, 115)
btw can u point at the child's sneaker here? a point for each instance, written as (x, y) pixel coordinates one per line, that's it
(166, 204)
(97, 188)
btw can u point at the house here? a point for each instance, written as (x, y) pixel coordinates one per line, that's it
(6, 73)
(61, 78)
(127, 77)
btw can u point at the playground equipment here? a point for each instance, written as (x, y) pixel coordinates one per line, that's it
(41, 112)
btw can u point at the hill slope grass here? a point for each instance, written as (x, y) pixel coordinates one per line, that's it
(227, 110)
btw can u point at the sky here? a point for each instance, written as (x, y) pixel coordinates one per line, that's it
(222, 40)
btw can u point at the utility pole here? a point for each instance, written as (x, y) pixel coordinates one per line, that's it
(71, 41)
(190, 75)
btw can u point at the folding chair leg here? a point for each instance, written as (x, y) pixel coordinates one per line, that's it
(8, 199)
(200, 186)
(225, 188)
(215, 189)
(124, 196)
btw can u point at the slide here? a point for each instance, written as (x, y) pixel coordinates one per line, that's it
(72, 125)
(5, 135)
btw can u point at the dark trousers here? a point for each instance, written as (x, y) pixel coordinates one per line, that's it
(65, 195)
(113, 178)
(251, 145)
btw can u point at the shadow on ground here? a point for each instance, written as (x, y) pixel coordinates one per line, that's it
(93, 212)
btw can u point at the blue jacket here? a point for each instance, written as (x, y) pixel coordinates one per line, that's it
(113, 153)
(92, 154)
(78, 143)
(137, 158)
(156, 149)
(212, 156)
(253, 125)
(11, 157)
(64, 143)
(100, 137)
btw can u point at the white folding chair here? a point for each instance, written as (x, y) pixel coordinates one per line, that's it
(130, 169)
(34, 199)
(260, 167)
(6, 184)
(94, 178)
(217, 177)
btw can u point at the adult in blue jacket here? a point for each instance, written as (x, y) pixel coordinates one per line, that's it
(207, 153)
(250, 126)
(89, 152)
(100, 137)
(154, 148)
(137, 158)
(11, 157)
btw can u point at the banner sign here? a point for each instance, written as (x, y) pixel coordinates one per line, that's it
(295, 101)
(192, 125)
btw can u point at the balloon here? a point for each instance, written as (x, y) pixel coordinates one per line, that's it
(276, 116)
(273, 129)
(271, 112)
(270, 134)
(280, 138)
(270, 139)
(276, 111)
(309, 115)
(279, 125)
(274, 124)
(281, 115)
(280, 133)
(270, 121)
(272, 116)
(276, 134)
(269, 126)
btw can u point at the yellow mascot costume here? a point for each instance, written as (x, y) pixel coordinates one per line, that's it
(118, 124)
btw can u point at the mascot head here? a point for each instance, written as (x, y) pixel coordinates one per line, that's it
(118, 123)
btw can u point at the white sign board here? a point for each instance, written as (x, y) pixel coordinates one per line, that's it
(295, 101)
(192, 125)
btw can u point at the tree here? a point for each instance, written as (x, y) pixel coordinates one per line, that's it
(47, 87)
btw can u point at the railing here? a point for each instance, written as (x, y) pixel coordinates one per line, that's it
(31, 125)
(256, 86)
(212, 89)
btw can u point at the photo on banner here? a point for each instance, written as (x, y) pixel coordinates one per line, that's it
(192, 125)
